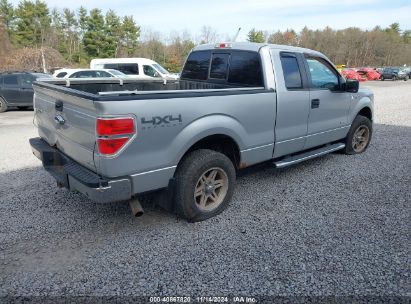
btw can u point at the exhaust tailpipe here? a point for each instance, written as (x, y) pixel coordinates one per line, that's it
(136, 208)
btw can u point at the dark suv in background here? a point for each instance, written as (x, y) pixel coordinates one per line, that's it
(16, 89)
(394, 74)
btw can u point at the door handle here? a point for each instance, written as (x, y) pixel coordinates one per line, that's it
(315, 103)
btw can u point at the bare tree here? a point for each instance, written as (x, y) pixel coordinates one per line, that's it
(208, 35)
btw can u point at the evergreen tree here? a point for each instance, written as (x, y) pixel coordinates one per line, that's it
(256, 36)
(114, 33)
(7, 15)
(32, 23)
(94, 40)
(70, 32)
(82, 19)
(131, 33)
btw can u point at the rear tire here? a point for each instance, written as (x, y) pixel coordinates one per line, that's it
(359, 136)
(205, 182)
(3, 105)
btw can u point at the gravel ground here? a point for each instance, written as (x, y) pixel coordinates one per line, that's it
(336, 225)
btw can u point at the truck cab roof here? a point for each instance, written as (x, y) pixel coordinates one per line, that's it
(256, 47)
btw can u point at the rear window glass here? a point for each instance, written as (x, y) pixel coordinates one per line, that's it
(11, 80)
(291, 71)
(197, 65)
(245, 69)
(219, 66)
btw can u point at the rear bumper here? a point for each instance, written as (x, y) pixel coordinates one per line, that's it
(75, 177)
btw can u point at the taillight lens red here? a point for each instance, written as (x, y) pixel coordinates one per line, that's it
(111, 145)
(113, 133)
(115, 126)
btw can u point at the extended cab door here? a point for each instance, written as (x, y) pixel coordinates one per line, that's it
(292, 102)
(329, 104)
(26, 89)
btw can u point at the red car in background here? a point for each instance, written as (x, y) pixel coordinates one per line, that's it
(369, 73)
(352, 74)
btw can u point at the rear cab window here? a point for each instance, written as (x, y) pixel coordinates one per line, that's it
(245, 69)
(219, 66)
(234, 68)
(197, 65)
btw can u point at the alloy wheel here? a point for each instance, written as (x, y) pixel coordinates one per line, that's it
(361, 138)
(211, 189)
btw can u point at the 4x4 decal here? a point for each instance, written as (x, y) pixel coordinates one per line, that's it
(161, 121)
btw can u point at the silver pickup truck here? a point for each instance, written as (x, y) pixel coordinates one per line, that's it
(236, 105)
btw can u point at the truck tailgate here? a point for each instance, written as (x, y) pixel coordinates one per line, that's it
(66, 122)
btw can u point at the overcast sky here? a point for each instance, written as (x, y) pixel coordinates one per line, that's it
(226, 16)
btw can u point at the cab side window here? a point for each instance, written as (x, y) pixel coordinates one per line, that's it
(291, 72)
(150, 71)
(322, 74)
(76, 75)
(11, 80)
(61, 74)
(27, 80)
(102, 74)
(128, 68)
(110, 66)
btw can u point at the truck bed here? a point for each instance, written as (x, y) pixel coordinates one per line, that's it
(96, 88)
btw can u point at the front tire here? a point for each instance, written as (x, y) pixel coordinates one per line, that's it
(205, 182)
(359, 136)
(3, 105)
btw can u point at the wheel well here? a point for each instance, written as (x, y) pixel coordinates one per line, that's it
(220, 143)
(366, 112)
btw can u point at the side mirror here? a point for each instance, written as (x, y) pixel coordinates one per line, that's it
(352, 85)
(156, 74)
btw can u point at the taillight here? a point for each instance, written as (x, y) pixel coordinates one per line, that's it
(109, 146)
(115, 126)
(113, 133)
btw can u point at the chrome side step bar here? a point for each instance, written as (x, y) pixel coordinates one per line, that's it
(288, 161)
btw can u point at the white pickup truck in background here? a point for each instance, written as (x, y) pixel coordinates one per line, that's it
(139, 68)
